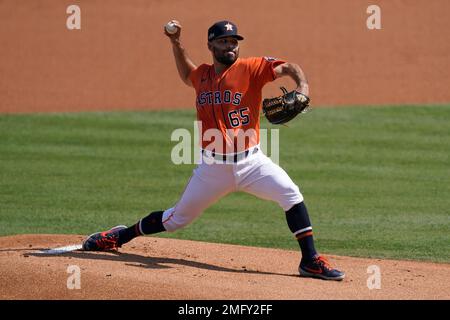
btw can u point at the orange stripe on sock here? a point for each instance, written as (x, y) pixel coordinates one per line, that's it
(303, 235)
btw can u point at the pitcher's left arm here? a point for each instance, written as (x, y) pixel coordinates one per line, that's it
(296, 73)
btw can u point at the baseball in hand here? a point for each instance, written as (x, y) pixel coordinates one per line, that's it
(171, 28)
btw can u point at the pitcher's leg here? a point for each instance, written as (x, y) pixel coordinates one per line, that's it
(201, 192)
(269, 181)
(298, 222)
(207, 185)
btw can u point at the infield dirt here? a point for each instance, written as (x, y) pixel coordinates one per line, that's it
(159, 269)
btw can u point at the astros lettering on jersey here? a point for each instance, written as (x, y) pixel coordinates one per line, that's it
(231, 101)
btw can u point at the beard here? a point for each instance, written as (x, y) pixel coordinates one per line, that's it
(226, 58)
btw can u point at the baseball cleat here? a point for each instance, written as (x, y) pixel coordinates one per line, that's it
(320, 268)
(103, 241)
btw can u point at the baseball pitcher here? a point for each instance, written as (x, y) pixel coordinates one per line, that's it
(229, 102)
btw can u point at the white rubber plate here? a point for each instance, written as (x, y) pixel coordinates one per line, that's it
(62, 249)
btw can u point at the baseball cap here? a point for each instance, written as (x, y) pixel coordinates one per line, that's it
(223, 29)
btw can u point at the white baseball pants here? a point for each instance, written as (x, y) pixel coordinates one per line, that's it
(256, 174)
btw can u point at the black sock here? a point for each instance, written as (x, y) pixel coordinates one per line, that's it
(128, 234)
(298, 221)
(148, 225)
(307, 247)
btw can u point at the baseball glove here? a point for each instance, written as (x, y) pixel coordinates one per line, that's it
(286, 107)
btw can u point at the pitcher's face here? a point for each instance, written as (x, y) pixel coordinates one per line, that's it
(225, 50)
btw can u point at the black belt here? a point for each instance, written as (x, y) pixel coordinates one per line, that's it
(231, 157)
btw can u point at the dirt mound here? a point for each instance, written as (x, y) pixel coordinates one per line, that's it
(154, 268)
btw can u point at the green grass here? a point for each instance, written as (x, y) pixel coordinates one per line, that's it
(376, 180)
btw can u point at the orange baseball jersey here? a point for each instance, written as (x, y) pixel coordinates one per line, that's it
(231, 102)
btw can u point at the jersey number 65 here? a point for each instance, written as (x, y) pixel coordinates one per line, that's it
(238, 117)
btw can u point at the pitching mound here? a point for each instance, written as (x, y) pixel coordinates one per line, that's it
(154, 268)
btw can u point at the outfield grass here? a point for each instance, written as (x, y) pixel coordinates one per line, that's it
(376, 180)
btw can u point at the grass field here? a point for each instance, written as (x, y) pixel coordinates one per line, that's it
(376, 180)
